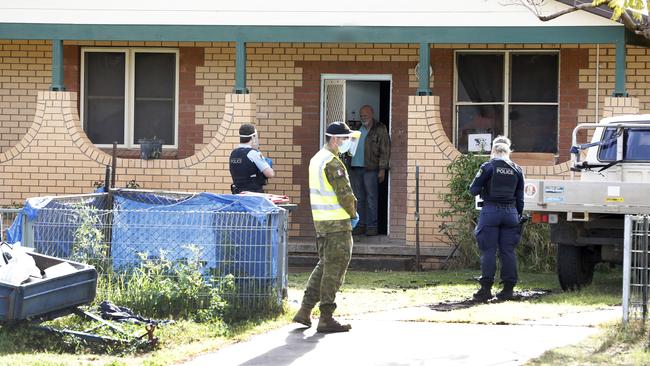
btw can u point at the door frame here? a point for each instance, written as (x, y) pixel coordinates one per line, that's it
(359, 77)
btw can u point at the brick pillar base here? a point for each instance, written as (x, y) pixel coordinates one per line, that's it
(617, 106)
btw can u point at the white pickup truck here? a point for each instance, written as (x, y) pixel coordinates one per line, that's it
(586, 213)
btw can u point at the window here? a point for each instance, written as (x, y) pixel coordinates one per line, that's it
(636, 145)
(129, 95)
(511, 93)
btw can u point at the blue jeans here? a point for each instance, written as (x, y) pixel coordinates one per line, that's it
(365, 187)
(498, 232)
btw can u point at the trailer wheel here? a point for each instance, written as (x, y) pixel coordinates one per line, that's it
(575, 266)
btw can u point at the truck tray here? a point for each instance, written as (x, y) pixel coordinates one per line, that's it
(49, 297)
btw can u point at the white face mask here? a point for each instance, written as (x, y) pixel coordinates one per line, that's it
(345, 146)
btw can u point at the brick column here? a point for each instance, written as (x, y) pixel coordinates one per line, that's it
(617, 106)
(430, 148)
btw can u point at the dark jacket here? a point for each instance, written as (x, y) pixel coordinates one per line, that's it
(501, 182)
(377, 147)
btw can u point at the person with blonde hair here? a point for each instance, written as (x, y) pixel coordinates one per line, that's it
(500, 183)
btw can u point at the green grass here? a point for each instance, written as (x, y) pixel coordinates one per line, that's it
(363, 293)
(615, 345)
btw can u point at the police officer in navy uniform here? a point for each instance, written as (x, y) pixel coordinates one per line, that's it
(500, 183)
(248, 168)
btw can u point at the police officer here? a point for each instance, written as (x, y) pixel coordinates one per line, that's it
(333, 208)
(248, 168)
(500, 183)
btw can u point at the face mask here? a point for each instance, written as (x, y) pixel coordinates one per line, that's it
(345, 146)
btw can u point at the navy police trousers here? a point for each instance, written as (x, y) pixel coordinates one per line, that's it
(498, 232)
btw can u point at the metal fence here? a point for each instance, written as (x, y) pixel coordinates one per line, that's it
(248, 248)
(7, 216)
(636, 262)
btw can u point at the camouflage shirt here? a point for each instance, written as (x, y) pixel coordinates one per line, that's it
(337, 176)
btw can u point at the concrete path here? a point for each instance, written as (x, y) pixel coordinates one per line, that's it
(392, 338)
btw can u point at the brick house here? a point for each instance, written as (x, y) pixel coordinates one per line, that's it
(74, 78)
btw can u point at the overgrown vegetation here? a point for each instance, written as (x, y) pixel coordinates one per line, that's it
(161, 288)
(535, 251)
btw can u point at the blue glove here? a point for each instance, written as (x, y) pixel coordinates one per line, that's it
(355, 220)
(269, 161)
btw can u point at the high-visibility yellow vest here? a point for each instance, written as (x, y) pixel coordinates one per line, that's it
(324, 204)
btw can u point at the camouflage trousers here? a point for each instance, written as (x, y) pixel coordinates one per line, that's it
(334, 252)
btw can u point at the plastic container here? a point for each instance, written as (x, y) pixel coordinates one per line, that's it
(48, 297)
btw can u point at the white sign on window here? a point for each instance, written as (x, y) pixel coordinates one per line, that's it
(477, 142)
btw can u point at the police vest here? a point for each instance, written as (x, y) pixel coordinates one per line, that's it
(244, 172)
(324, 203)
(503, 183)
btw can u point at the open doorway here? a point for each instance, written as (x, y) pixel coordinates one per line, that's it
(341, 98)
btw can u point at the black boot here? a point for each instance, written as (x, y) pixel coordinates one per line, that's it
(484, 293)
(506, 292)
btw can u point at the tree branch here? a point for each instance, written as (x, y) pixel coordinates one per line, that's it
(546, 18)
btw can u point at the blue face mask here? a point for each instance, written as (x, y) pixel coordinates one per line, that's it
(345, 146)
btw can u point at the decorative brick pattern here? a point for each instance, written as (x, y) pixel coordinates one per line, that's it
(56, 157)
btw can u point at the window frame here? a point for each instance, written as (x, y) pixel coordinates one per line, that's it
(129, 90)
(506, 89)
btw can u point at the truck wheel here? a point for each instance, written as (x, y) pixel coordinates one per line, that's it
(575, 266)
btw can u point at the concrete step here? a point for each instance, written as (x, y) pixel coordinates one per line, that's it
(367, 263)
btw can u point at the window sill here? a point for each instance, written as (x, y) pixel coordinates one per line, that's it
(533, 159)
(126, 153)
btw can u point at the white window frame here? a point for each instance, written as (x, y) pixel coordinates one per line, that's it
(506, 88)
(129, 90)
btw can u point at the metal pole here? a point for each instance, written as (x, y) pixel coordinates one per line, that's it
(627, 255)
(417, 218)
(114, 164)
(644, 267)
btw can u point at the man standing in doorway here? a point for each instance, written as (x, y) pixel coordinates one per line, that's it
(369, 167)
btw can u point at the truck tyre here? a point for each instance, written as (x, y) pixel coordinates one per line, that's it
(575, 266)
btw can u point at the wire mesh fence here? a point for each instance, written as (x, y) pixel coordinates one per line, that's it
(636, 272)
(240, 254)
(7, 216)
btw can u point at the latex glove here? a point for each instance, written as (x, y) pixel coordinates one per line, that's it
(355, 220)
(381, 174)
(269, 161)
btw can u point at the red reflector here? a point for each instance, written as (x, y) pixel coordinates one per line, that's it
(538, 217)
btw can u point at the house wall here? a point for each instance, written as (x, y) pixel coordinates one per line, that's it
(284, 80)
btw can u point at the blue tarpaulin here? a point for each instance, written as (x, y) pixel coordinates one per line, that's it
(235, 234)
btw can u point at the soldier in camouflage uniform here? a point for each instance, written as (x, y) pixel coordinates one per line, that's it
(334, 211)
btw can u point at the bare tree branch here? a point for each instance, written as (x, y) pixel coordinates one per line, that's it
(638, 27)
(546, 18)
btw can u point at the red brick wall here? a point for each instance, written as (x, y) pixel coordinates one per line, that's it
(308, 97)
(442, 62)
(572, 98)
(190, 95)
(72, 69)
